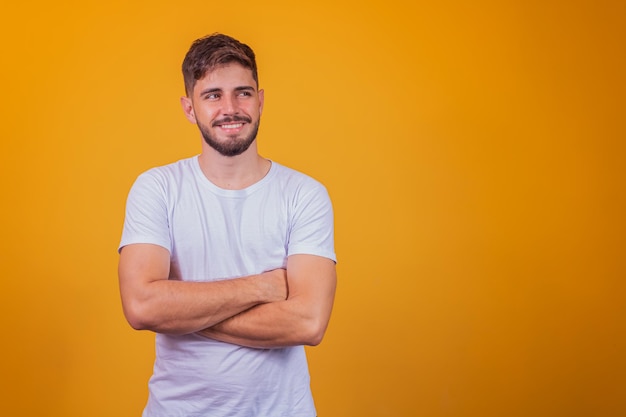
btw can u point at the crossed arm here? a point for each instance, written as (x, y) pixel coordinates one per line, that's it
(252, 311)
(301, 319)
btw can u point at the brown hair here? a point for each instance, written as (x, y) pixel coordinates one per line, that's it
(209, 52)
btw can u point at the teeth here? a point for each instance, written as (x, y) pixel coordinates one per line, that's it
(233, 126)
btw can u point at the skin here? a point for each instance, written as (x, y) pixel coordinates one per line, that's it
(153, 302)
(284, 307)
(301, 319)
(226, 92)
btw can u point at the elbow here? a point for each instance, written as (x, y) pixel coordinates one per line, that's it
(144, 315)
(137, 324)
(137, 316)
(314, 332)
(314, 340)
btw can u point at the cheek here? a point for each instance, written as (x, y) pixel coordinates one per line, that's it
(255, 109)
(204, 115)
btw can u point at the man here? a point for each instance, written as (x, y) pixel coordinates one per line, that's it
(228, 257)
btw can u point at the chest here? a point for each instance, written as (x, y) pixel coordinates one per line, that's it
(215, 237)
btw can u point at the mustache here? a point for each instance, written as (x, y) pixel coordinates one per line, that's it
(231, 119)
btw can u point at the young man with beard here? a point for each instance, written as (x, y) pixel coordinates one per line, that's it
(228, 257)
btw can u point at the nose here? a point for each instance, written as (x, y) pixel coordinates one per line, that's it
(229, 105)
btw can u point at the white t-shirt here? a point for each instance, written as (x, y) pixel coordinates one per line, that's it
(212, 234)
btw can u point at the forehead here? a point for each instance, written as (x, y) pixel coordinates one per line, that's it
(225, 77)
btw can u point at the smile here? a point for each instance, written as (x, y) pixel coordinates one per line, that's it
(232, 126)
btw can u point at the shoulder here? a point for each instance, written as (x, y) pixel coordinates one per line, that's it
(162, 183)
(167, 175)
(171, 171)
(292, 178)
(302, 192)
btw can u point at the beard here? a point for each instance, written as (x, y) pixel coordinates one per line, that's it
(234, 145)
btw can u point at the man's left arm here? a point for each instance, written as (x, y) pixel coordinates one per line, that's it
(301, 319)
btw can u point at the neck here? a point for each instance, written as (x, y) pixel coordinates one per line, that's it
(233, 172)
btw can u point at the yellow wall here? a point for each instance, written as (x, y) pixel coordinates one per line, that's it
(474, 152)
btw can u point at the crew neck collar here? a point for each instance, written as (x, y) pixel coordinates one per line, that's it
(233, 193)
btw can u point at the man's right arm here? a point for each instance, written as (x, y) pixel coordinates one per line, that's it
(153, 302)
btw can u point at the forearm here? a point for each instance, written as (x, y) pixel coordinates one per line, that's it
(178, 307)
(300, 320)
(151, 301)
(272, 325)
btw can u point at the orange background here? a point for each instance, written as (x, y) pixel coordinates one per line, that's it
(474, 152)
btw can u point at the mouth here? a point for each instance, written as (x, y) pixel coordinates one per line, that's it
(231, 129)
(232, 123)
(231, 126)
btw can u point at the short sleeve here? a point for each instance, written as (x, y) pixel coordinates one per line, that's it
(146, 219)
(312, 228)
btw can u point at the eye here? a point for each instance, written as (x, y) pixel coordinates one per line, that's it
(245, 94)
(211, 96)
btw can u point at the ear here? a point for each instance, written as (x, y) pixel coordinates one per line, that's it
(187, 105)
(261, 101)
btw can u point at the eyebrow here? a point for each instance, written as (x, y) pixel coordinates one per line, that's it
(217, 89)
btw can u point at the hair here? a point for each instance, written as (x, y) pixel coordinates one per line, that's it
(212, 51)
